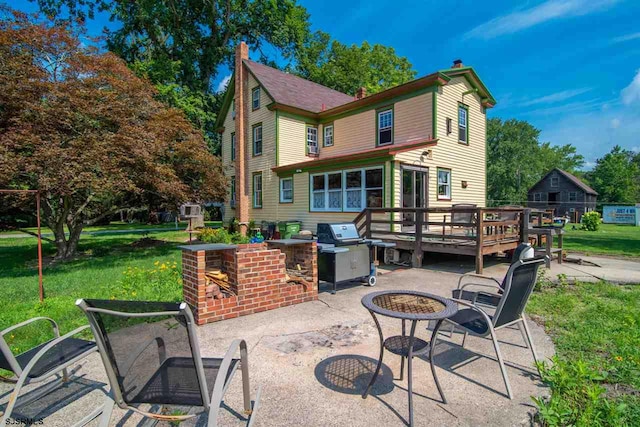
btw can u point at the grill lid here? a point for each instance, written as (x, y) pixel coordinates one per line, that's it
(338, 233)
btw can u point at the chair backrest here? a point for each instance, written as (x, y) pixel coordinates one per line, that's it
(518, 285)
(8, 361)
(138, 340)
(462, 217)
(510, 215)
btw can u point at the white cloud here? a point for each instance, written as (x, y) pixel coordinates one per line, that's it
(626, 38)
(556, 97)
(548, 11)
(635, 149)
(631, 93)
(615, 123)
(223, 83)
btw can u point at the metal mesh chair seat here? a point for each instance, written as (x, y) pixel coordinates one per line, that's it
(479, 297)
(472, 320)
(56, 356)
(176, 382)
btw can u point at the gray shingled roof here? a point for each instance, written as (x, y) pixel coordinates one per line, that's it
(577, 181)
(295, 91)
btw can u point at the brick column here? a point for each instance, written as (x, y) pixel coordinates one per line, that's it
(242, 137)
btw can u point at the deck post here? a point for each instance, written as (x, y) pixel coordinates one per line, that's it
(368, 222)
(479, 240)
(524, 225)
(416, 259)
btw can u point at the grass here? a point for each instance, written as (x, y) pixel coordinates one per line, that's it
(119, 226)
(109, 266)
(595, 378)
(610, 239)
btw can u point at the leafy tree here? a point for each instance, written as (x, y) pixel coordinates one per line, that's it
(347, 68)
(80, 127)
(180, 45)
(516, 159)
(615, 177)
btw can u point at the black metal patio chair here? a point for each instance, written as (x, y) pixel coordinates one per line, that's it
(151, 355)
(460, 220)
(40, 363)
(518, 286)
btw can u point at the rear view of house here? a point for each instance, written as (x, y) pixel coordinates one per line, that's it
(563, 192)
(297, 150)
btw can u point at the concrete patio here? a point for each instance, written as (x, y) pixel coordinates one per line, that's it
(313, 361)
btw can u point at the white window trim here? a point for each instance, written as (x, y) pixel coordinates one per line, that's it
(254, 91)
(255, 191)
(390, 110)
(575, 196)
(282, 199)
(324, 136)
(311, 143)
(449, 185)
(326, 191)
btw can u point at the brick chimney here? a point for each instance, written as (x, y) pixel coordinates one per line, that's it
(361, 92)
(457, 63)
(241, 100)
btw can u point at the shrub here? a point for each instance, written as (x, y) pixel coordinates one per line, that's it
(215, 235)
(591, 221)
(238, 238)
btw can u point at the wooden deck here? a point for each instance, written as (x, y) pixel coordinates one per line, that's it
(462, 231)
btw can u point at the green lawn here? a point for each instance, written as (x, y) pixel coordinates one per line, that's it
(610, 239)
(596, 329)
(117, 226)
(109, 266)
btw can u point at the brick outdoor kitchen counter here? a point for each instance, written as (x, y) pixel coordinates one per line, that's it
(258, 277)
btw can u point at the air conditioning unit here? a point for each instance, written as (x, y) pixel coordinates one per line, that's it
(391, 255)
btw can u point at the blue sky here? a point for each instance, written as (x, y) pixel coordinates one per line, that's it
(570, 67)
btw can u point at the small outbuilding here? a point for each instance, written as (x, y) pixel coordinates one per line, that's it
(563, 192)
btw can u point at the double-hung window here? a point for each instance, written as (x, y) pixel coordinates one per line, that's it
(257, 190)
(326, 192)
(312, 140)
(257, 139)
(385, 127)
(537, 197)
(232, 200)
(444, 184)
(233, 146)
(463, 124)
(255, 98)
(573, 196)
(286, 190)
(555, 181)
(328, 136)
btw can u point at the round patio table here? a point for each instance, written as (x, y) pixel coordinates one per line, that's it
(413, 306)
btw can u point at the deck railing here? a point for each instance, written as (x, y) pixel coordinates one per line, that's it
(463, 230)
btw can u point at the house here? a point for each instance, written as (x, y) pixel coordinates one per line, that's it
(564, 193)
(297, 150)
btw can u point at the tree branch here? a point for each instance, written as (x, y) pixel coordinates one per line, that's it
(31, 233)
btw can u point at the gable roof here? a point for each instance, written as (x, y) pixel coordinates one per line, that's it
(317, 102)
(574, 179)
(294, 91)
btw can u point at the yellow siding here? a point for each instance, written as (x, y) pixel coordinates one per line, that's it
(262, 163)
(412, 119)
(467, 162)
(352, 134)
(291, 141)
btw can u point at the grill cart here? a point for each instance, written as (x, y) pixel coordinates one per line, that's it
(345, 256)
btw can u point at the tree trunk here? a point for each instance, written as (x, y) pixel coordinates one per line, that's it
(66, 247)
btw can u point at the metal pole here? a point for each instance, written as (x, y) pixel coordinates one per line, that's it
(40, 286)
